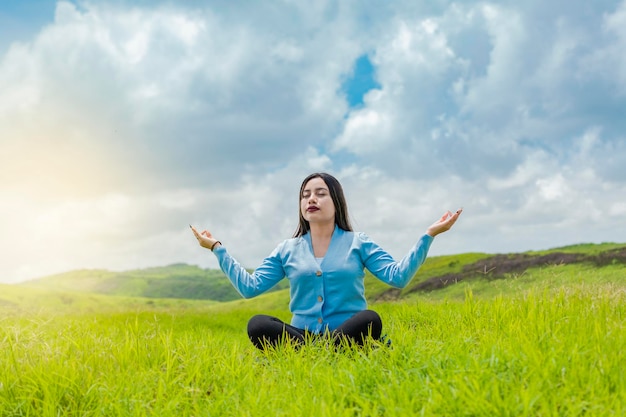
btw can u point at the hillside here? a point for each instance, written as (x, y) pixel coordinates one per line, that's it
(439, 275)
(174, 281)
(17, 299)
(439, 278)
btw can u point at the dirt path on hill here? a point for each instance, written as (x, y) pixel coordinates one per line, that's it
(501, 266)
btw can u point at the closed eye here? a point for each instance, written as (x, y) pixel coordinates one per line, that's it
(320, 192)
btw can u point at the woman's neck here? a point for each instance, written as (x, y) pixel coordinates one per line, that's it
(321, 235)
(321, 231)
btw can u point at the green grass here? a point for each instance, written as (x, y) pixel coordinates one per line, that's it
(547, 278)
(589, 248)
(548, 341)
(24, 300)
(542, 352)
(173, 281)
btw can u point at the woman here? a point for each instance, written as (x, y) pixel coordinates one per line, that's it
(324, 263)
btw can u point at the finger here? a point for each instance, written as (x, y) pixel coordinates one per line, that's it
(450, 222)
(195, 232)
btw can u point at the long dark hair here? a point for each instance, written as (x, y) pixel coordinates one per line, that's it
(342, 219)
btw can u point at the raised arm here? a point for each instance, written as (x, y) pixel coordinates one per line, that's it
(398, 274)
(248, 285)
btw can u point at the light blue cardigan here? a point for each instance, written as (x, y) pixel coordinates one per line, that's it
(324, 296)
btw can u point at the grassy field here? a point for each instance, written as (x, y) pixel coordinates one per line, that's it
(548, 342)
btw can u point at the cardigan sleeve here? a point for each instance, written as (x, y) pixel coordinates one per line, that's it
(249, 285)
(382, 265)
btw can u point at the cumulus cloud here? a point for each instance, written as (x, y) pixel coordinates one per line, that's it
(121, 125)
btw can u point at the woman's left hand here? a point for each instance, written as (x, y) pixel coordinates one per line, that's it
(444, 223)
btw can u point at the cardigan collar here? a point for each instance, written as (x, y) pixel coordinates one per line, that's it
(336, 234)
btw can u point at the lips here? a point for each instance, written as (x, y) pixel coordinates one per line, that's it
(311, 209)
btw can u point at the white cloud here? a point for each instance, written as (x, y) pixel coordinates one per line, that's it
(609, 61)
(120, 126)
(553, 188)
(367, 131)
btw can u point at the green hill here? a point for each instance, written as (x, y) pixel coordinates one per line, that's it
(174, 281)
(440, 277)
(17, 299)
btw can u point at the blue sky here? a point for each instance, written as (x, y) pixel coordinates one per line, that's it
(122, 122)
(22, 20)
(360, 81)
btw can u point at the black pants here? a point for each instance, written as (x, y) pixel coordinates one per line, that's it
(266, 331)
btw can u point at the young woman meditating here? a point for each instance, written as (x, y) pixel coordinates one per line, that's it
(324, 263)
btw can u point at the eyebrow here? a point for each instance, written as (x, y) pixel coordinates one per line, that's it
(315, 189)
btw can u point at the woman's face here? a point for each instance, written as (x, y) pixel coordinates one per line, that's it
(316, 204)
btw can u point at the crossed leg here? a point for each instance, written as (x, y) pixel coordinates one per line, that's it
(266, 331)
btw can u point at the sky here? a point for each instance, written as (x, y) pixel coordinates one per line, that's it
(123, 122)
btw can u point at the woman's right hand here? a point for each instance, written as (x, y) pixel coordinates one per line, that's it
(205, 238)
